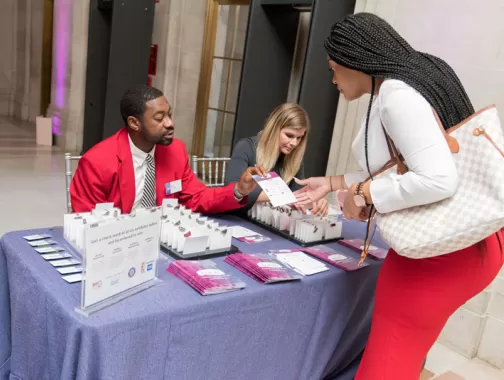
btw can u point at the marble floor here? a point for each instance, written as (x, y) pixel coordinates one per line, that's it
(32, 181)
(32, 194)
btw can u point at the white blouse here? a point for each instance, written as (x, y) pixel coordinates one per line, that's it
(409, 121)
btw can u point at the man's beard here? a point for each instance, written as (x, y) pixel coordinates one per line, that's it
(166, 141)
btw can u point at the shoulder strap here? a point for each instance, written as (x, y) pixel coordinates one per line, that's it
(394, 154)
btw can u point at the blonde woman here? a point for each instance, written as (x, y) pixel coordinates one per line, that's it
(279, 147)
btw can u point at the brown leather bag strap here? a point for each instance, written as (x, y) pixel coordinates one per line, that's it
(450, 140)
(369, 236)
(394, 153)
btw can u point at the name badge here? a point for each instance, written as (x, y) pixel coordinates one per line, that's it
(173, 187)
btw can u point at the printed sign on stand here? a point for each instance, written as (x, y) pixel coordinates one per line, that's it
(119, 259)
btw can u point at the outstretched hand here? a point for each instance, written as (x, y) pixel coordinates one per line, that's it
(319, 208)
(315, 188)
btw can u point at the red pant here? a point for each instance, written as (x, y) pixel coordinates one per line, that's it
(413, 301)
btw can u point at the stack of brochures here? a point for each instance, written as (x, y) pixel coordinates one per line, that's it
(331, 256)
(262, 267)
(204, 276)
(358, 245)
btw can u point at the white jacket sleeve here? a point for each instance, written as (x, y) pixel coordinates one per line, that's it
(355, 177)
(409, 121)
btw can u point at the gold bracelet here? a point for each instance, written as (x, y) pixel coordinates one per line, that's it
(330, 182)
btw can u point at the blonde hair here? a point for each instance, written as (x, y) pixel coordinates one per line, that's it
(285, 115)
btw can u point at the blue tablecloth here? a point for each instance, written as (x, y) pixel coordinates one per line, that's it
(311, 329)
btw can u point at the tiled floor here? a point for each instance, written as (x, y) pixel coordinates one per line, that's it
(441, 359)
(32, 183)
(32, 194)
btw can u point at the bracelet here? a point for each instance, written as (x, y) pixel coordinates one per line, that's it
(330, 183)
(238, 196)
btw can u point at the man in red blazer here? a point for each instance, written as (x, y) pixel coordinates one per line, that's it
(143, 163)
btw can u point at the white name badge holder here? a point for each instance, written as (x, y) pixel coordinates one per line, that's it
(186, 235)
(120, 259)
(303, 229)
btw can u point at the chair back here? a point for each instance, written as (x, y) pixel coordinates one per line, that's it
(68, 177)
(212, 171)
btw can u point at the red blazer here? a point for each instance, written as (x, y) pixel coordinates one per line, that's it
(105, 174)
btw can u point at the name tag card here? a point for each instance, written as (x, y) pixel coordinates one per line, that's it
(44, 250)
(170, 206)
(173, 187)
(104, 206)
(295, 225)
(195, 245)
(64, 263)
(221, 238)
(41, 243)
(188, 233)
(36, 237)
(72, 278)
(69, 270)
(55, 256)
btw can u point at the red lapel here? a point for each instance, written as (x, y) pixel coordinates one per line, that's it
(125, 171)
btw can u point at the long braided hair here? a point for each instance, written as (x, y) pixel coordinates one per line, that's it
(367, 43)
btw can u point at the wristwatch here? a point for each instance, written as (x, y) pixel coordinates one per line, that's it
(358, 197)
(238, 196)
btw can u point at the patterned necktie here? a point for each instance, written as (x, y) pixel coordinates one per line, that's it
(149, 192)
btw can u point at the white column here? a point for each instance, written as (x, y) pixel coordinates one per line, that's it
(21, 24)
(34, 76)
(70, 35)
(8, 22)
(179, 29)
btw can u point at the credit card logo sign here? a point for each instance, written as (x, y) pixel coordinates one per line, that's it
(131, 272)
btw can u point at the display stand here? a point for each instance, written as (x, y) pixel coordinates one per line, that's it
(119, 260)
(199, 255)
(87, 311)
(288, 236)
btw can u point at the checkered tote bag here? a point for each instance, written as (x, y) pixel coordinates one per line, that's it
(475, 212)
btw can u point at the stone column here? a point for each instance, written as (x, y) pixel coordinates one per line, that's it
(8, 21)
(70, 33)
(179, 30)
(20, 58)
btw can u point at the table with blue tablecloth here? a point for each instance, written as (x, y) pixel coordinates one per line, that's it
(315, 328)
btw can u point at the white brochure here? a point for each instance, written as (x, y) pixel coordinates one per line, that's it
(276, 189)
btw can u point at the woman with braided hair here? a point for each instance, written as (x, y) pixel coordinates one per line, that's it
(414, 297)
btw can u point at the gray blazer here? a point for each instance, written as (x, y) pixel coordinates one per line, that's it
(244, 155)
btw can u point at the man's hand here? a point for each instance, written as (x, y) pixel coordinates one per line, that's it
(247, 184)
